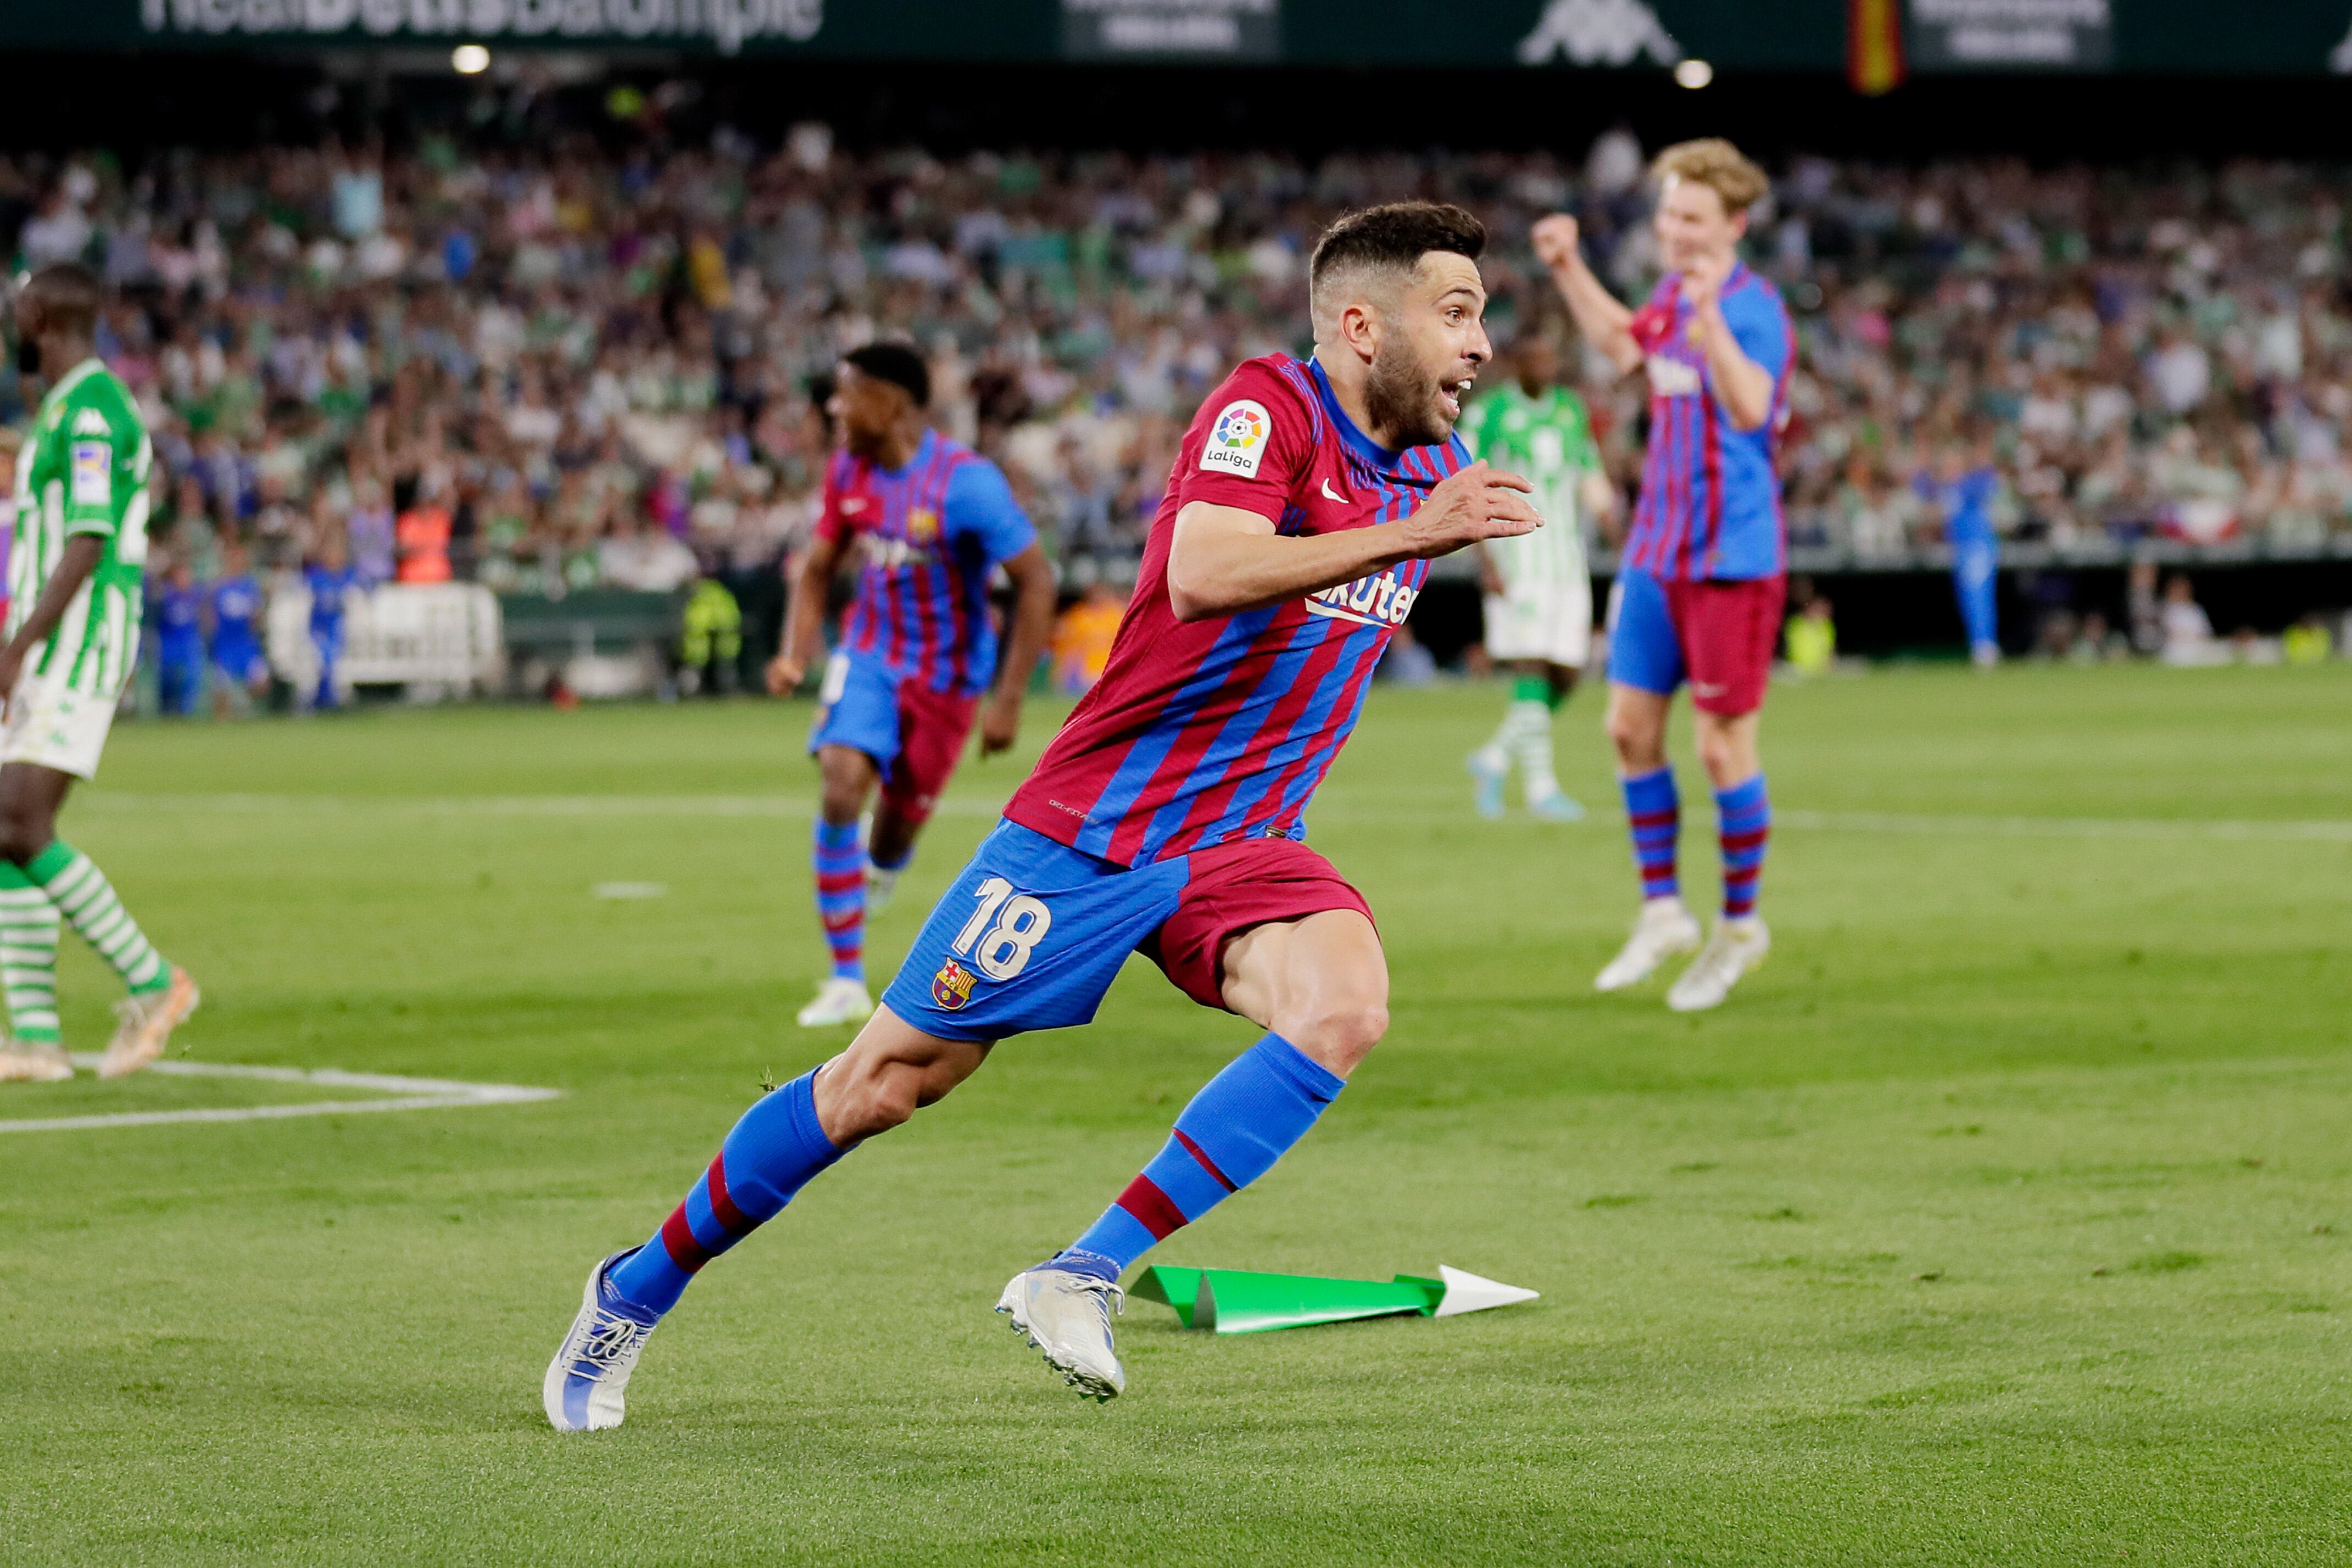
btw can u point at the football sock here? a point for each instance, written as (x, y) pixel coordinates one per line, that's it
(1239, 1123)
(841, 896)
(1654, 812)
(28, 958)
(1529, 722)
(1743, 822)
(770, 1155)
(901, 863)
(85, 897)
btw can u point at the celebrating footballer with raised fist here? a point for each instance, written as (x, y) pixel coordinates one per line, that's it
(1167, 818)
(1705, 568)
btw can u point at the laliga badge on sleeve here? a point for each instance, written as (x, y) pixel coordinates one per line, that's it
(1237, 440)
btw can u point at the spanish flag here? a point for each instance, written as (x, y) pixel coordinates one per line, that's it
(1873, 45)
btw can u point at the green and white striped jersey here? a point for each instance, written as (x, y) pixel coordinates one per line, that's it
(83, 470)
(1546, 440)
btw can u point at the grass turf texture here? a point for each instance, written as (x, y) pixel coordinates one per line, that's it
(2004, 1216)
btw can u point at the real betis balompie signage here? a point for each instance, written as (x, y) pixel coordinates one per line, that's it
(2299, 37)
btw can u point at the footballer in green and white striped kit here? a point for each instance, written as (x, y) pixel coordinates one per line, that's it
(74, 565)
(1539, 601)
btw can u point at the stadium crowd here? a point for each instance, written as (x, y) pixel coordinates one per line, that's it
(555, 368)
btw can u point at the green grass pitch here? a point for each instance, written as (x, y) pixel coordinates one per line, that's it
(2005, 1215)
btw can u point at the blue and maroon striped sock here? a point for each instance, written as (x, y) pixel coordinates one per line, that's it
(1743, 823)
(1240, 1123)
(1653, 811)
(770, 1154)
(841, 896)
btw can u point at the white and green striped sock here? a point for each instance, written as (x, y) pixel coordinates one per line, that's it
(84, 896)
(28, 958)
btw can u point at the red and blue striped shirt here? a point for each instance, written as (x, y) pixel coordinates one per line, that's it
(1710, 503)
(1207, 731)
(931, 534)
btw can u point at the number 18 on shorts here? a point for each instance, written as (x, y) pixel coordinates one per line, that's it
(1031, 936)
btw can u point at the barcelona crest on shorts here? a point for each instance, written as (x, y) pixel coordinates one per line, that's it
(951, 986)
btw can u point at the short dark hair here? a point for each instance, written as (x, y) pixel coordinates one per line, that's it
(897, 363)
(1397, 235)
(70, 294)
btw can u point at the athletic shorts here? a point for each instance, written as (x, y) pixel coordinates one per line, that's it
(1719, 636)
(1550, 621)
(1033, 932)
(914, 734)
(241, 663)
(51, 726)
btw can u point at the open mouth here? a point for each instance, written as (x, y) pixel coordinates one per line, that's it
(1450, 396)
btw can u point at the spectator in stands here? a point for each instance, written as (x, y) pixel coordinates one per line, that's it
(1080, 650)
(644, 559)
(1811, 636)
(1406, 660)
(624, 336)
(422, 538)
(2188, 630)
(2307, 643)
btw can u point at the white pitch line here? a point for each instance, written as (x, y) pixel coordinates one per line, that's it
(1340, 810)
(403, 1094)
(2321, 832)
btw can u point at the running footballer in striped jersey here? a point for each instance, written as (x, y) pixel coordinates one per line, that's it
(1703, 569)
(928, 520)
(1168, 817)
(74, 566)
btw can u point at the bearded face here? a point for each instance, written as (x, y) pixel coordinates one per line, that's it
(1405, 399)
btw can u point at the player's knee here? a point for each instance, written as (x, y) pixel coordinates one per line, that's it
(1637, 740)
(1340, 1032)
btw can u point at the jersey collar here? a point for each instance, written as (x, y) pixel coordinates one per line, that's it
(1364, 447)
(71, 380)
(922, 451)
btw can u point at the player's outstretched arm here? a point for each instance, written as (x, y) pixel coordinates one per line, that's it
(1225, 559)
(804, 617)
(1606, 324)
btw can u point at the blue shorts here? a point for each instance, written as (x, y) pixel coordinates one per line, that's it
(241, 661)
(1717, 636)
(1033, 932)
(914, 734)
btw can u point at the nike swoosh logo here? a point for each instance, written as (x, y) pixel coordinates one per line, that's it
(1331, 495)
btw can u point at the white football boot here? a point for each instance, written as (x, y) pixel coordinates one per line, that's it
(881, 882)
(34, 1061)
(1555, 806)
(587, 1384)
(1663, 929)
(144, 1025)
(1067, 1317)
(838, 1002)
(1737, 946)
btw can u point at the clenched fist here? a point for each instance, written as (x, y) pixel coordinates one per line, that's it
(1555, 239)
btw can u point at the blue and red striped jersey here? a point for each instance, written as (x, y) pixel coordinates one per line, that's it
(1206, 731)
(1710, 502)
(930, 534)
